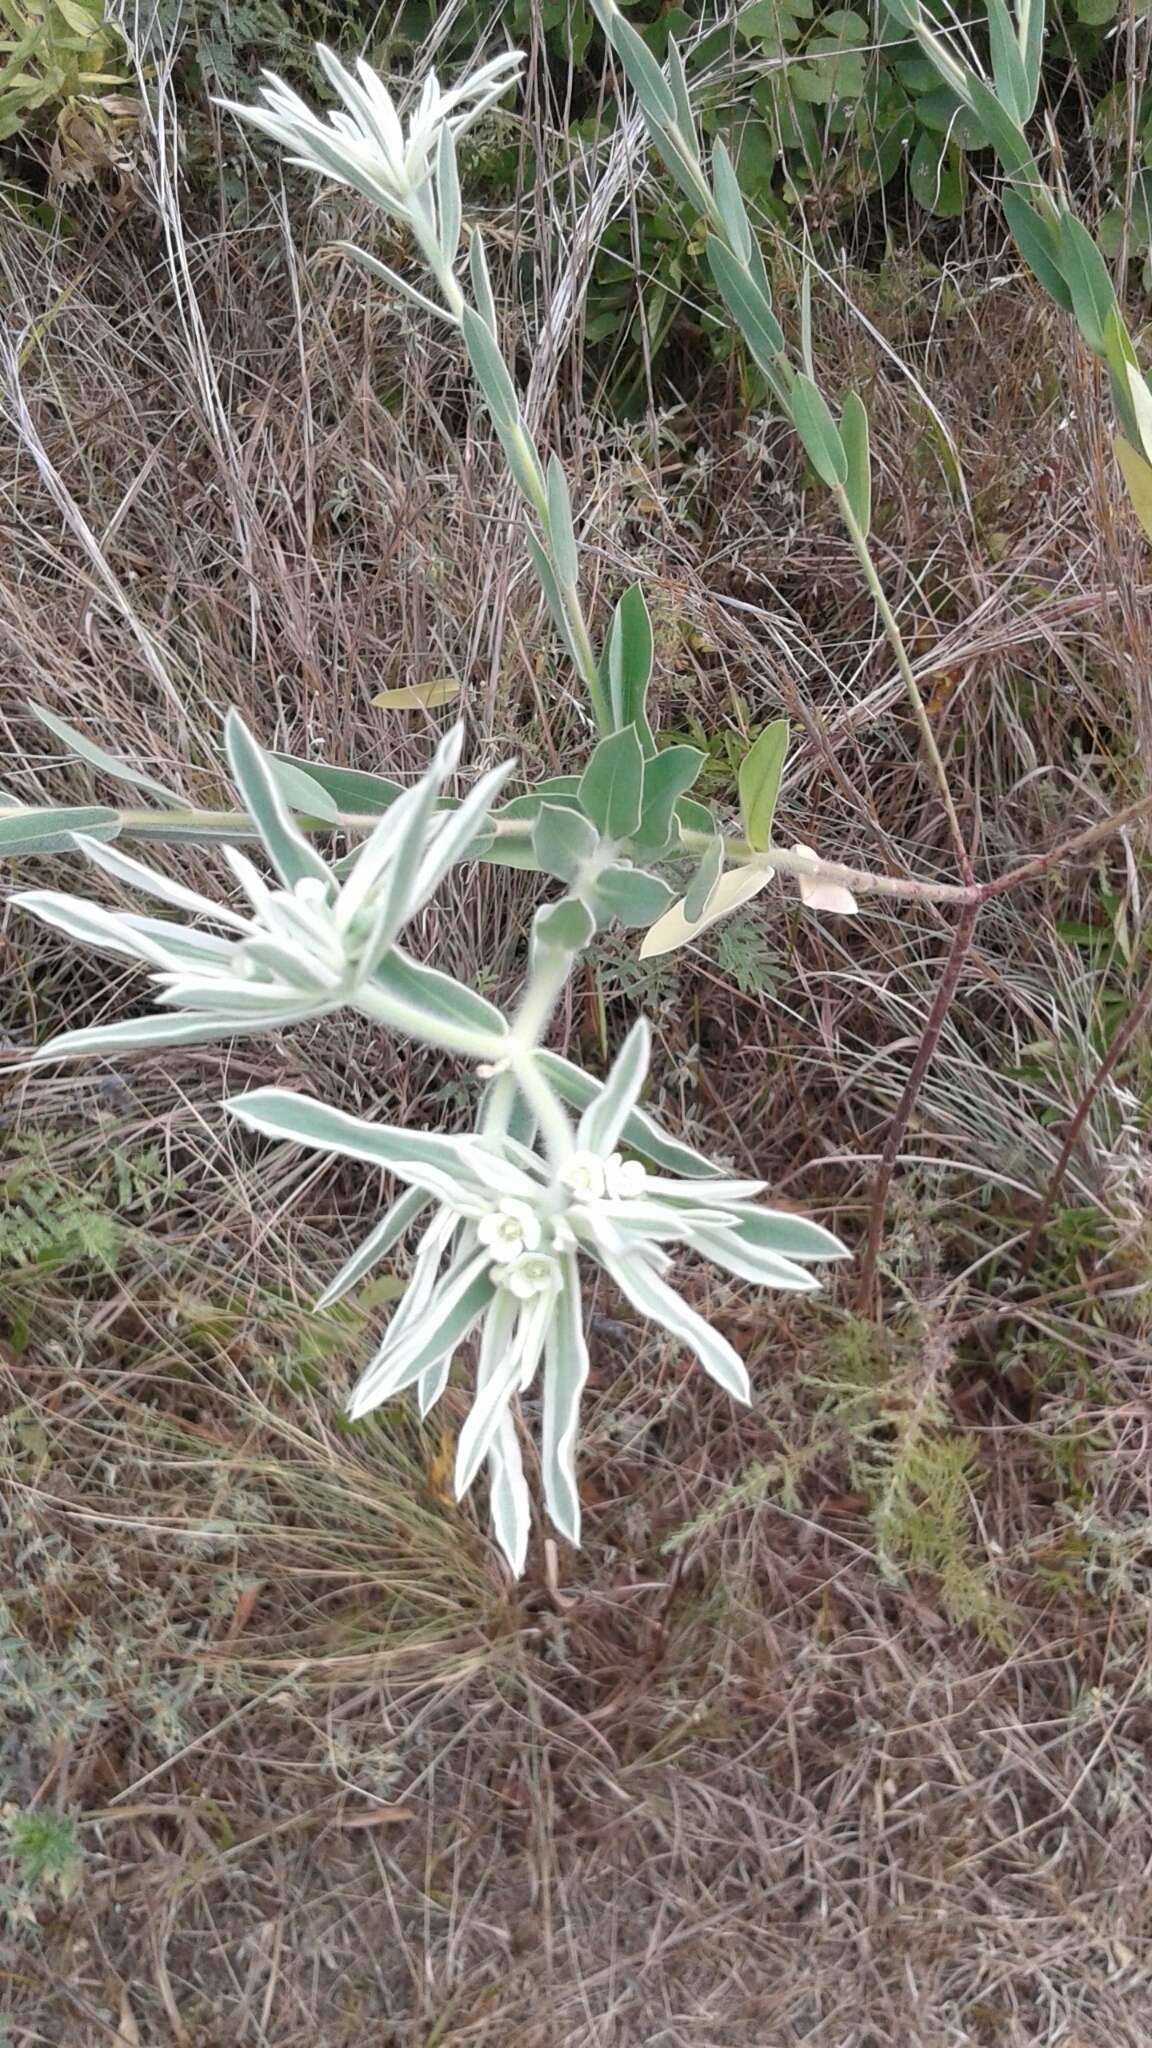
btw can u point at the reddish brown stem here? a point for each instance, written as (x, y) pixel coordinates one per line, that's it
(925, 1052)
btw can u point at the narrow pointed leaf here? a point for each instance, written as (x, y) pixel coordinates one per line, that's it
(560, 531)
(98, 757)
(607, 1114)
(660, 1303)
(290, 853)
(630, 656)
(854, 436)
(1038, 241)
(52, 830)
(379, 1241)
(818, 432)
(566, 1366)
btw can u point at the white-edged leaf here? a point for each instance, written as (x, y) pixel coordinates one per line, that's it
(566, 1367)
(661, 1304)
(254, 774)
(141, 1034)
(448, 204)
(748, 1262)
(606, 1115)
(380, 1240)
(392, 278)
(91, 925)
(133, 873)
(448, 1322)
(641, 1133)
(300, 1119)
(509, 1501)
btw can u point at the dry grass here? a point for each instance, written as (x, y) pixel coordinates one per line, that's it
(838, 1732)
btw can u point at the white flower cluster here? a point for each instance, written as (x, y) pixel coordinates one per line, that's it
(501, 1255)
(311, 940)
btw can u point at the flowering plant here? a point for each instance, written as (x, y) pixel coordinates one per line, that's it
(561, 1171)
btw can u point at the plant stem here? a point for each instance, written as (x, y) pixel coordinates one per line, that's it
(912, 687)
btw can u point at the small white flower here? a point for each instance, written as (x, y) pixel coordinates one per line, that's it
(624, 1179)
(583, 1176)
(509, 1230)
(533, 1274)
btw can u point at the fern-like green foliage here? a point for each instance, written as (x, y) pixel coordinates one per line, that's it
(49, 1220)
(919, 1474)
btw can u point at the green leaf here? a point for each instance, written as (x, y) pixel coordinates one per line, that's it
(730, 203)
(291, 855)
(750, 307)
(301, 791)
(705, 881)
(936, 176)
(1008, 69)
(564, 927)
(50, 830)
(1010, 144)
(943, 110)
(629, 895)
(560, 532)
(759, 783)
(440, 998)
(854, 435)
(641, 1133)
(490, 370)
(351, 789)
(818, 432)
(99, 757)
(612, 785)
(563, 842)
(666, 777)
(630, 654)
(641, 69)
(1137, 475)
(1038, 241)
(1093, 295)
